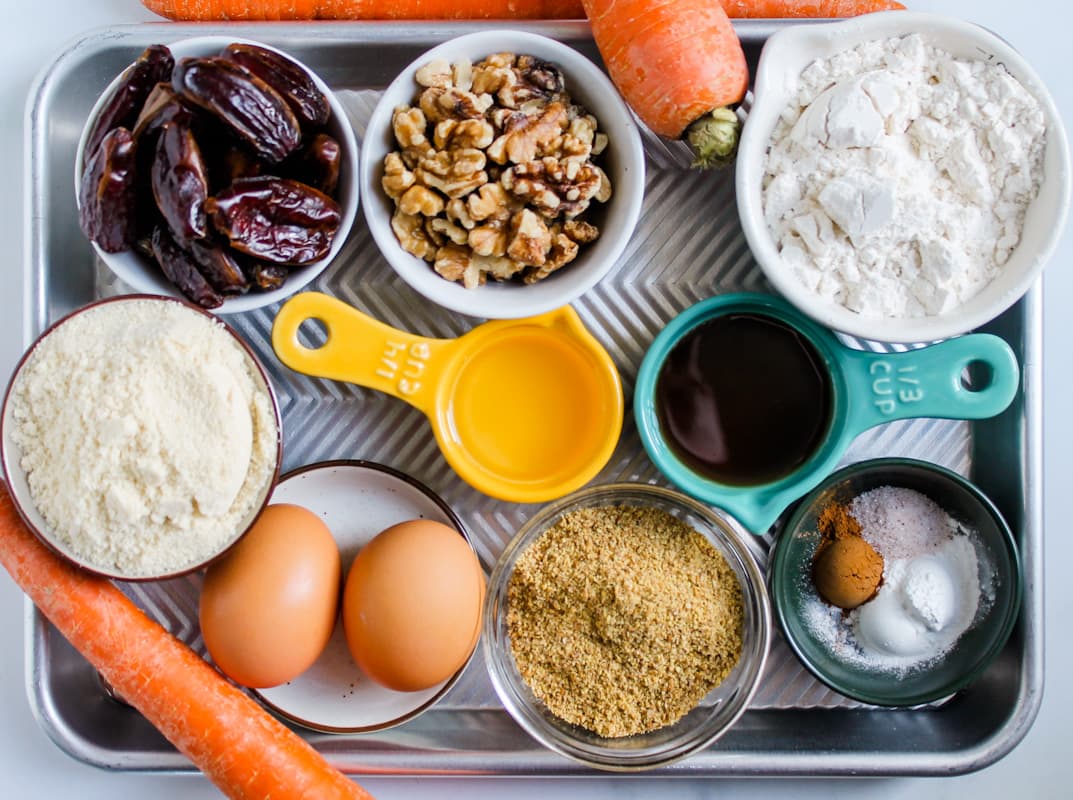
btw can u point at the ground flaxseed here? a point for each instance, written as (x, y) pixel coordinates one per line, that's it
(623, 618)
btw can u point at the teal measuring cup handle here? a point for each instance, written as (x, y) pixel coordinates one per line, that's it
(929, 382)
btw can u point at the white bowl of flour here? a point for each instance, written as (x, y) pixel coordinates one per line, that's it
(140, 437)
(902, 177)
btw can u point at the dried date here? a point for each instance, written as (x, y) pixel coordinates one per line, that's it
(265, 276)
(108, 194)
(219, 267)
(180, 268)
(285, 76)
(162, 105)
(318, 163)
(121, 109)
(246, 104)
(275, 219)
(180, 184)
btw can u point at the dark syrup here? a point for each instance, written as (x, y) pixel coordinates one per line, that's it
(743, 399)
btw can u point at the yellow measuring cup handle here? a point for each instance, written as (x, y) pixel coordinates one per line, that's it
(359, 349)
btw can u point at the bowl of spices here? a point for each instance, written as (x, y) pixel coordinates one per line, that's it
(896, 582)
(902, 177)
(626, 626)
(140, 437)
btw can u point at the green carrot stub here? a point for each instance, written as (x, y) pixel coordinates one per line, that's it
(675, 62)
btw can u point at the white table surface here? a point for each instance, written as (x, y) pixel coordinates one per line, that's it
(32, 767)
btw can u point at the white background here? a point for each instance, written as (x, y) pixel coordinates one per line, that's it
(33, 32)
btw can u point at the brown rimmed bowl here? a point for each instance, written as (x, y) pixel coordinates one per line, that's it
(17, 479)
(333, 695)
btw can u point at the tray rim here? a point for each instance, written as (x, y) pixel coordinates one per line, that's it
(710, 763)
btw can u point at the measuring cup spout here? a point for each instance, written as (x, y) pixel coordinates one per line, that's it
(970, 377)
(358, 349)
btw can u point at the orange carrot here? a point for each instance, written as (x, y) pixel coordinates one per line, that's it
(787, 9)
(206, 10)
(679, 64)
(246, 752)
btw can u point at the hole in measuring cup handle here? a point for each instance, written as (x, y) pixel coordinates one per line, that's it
(977, 376)
(312, 333)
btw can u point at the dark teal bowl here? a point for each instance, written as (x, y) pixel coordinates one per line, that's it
(790, 583)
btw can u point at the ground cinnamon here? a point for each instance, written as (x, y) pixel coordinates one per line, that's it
(835, 522)
(846, 569)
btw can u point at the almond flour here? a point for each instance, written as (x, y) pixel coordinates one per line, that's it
(144, 435)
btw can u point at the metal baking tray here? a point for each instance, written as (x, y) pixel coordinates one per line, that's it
(687, 247)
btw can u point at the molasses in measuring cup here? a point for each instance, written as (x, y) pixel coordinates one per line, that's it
(745, 403)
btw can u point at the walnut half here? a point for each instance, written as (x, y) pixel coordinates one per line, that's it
(556, 188)
(530, 238)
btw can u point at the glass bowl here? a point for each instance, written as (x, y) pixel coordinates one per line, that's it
(792, 590)
(701, 726)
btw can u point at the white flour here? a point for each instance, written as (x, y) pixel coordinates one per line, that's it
(145, 438)
(897, 185)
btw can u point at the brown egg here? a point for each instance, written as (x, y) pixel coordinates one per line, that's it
(269, 605)
(412, 605)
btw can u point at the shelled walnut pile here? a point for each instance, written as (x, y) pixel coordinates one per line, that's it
(494, 171)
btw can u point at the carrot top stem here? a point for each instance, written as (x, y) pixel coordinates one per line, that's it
(714, 138)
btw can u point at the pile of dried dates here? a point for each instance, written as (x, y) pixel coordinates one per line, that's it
(218, 169)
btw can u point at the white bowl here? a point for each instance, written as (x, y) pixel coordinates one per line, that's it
(623, 161)
(782, 60)
(143, 276)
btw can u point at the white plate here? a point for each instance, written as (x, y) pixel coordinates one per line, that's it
(357, 500)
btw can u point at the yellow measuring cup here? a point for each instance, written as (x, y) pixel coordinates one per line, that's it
(524, 410)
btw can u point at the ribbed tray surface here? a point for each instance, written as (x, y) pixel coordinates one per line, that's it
(688, 246)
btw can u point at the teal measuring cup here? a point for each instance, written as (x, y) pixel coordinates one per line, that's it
(866, 389)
